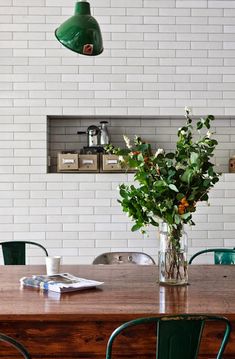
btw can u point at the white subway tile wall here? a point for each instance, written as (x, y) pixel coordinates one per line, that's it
(159, 57)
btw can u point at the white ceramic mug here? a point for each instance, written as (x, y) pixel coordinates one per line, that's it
(53, 265)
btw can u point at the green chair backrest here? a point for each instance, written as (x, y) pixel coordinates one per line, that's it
(17, 345)
(177, 337)
(221, 255)
(14, 251)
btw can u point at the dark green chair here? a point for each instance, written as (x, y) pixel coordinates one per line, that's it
(14, 251)
(221, 255)
(177, 337)
(18, 346)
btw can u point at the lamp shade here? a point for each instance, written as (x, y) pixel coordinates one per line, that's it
(81, 32)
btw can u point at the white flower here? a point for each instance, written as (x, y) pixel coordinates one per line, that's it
(127, 141)
(208, 134)
(160, 151)
(188, 109)
(121, 158)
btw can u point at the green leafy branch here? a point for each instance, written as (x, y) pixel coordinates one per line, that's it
(169, 185)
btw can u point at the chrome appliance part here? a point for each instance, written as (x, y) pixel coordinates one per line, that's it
(104, 134)
(93, 133)
(93, 136)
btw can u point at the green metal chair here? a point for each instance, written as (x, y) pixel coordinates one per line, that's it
(14, 251)
(18, 346)
(221, 255)
(178, 336)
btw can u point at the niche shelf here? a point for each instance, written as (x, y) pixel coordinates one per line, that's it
(160, 131)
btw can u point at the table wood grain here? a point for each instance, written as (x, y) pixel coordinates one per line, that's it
(78, 324)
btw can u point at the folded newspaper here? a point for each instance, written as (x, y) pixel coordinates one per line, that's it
(61, 282)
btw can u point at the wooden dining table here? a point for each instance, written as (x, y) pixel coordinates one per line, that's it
(78, 324)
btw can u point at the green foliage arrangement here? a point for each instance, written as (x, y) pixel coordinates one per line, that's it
(169, 184)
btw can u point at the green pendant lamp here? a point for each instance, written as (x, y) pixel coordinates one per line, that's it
(81, 32)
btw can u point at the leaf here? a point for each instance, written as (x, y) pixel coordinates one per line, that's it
(173, 187)
(186, 215)
(154, 223)
(132, 163)
(187, 175)
(211, 117)
(199, 125)
(206, 182)
(136, 227)
(169, 218)
(204, 197)
(180, 196)
(177, 219)
(140, 157)
(170, 155)
(123, 193)
(191, 197)
(160, 184)
(194, 157)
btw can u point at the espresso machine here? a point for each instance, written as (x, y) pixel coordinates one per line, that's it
(97, 138)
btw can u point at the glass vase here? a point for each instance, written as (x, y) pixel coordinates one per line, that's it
(173, 265)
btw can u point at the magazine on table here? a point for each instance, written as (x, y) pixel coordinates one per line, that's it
(61, 282)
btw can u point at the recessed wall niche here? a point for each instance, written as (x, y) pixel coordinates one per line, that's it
(160, 131)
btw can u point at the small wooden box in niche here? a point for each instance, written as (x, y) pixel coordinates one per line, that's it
(232, 164)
